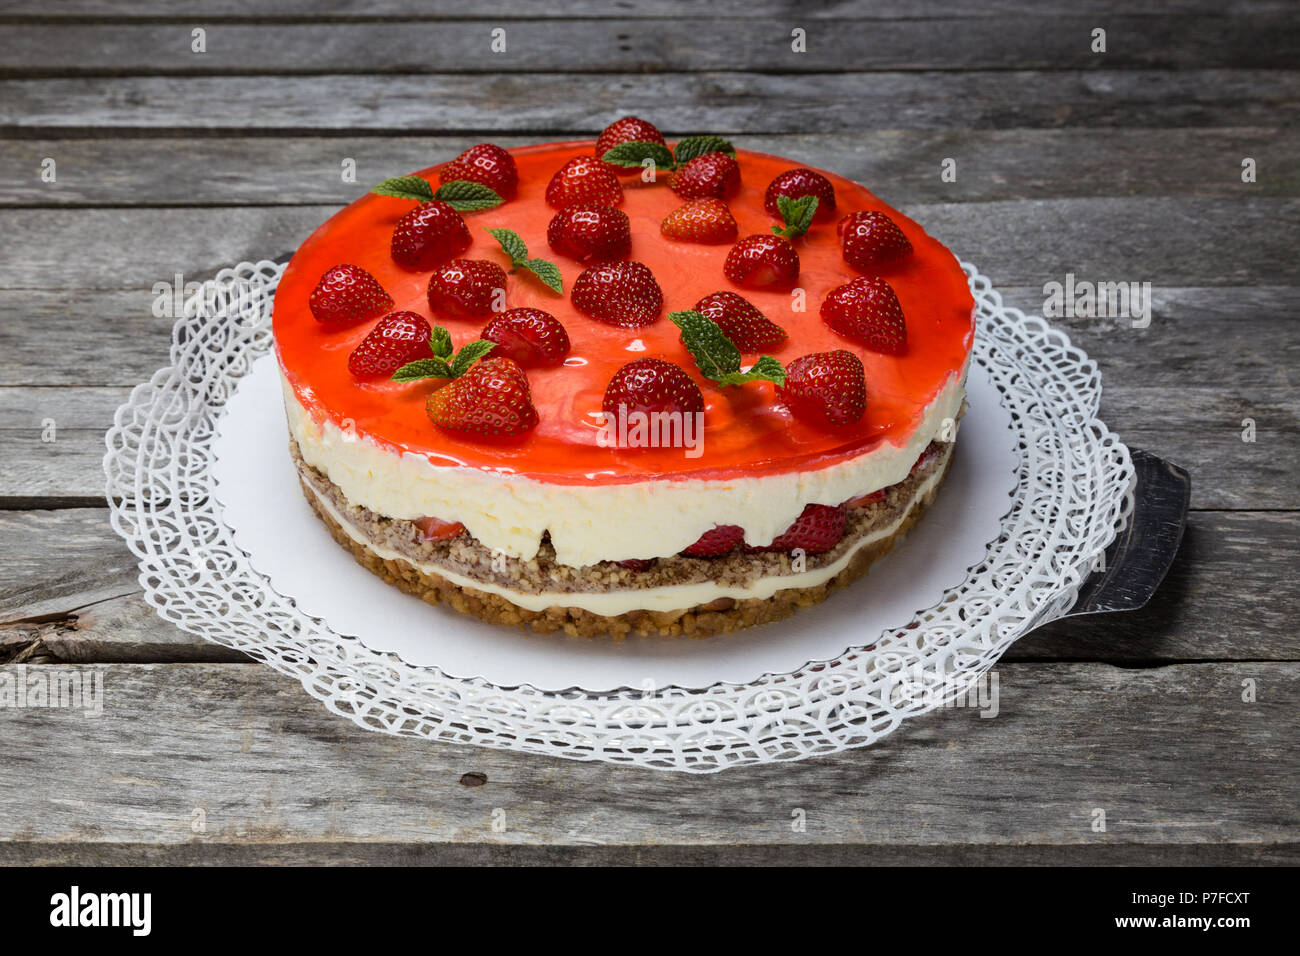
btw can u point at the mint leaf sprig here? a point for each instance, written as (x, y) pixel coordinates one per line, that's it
(717, 357)
(636, 153)
(517, 250)
(461, 194)
(797, 214)
(444, 363)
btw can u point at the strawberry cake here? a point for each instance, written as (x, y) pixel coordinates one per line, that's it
(628, 386)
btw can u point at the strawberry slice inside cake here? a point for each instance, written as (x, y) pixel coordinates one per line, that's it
(621, 386)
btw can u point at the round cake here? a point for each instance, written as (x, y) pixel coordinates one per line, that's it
(745, 390)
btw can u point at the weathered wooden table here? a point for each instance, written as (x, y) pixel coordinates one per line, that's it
(1178, 721)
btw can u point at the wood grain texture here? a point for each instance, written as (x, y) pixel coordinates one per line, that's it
(270, 768)
(899, 165)
(67, 579)
(409, 10)
(721, 102)
(1020, 41)
(1165, 241)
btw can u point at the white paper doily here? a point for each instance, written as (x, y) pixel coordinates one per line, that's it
(1071, 500)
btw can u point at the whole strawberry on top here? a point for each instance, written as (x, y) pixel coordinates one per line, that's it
(584, 179)
(713, 174)
(770, 259)
(590, 232)
(829, 388)
(629, 129)
(741, 321)
(797, 183)
(398, 338)
(619, 293)
(652, 385)
(485, 163)
(867, 311)
(347, 294)
(491, 400)
(871, 240)
(466, 288)
(706, 220)
(431, 233)
(530, 337)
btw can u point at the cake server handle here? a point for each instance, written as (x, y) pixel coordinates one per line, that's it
(1140, 556)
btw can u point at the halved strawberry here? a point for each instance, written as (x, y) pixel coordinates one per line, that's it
(396, 339)
(700, 220)
(720, 539)
(492, 399)
(584, 179)
(829, 388)
(930, 453)
(484, 163)
(762, 260)
(629, 129)
(652, 385)
(818, 529)
(435, 529)
(590, 233)
(713, 174)
(466, 288)
(861, 501)
(348, 293)
(741, 321)
(801, 182)
(431, 233)
(637, 564)
(530, 337)
(867, 311)
(871, 239)
(619, 293)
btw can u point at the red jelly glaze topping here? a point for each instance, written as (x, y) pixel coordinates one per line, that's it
(748, 432)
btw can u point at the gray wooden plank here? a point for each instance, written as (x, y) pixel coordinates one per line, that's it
(67, 580)
(272, 768)
(1165, 241)
(345, 10)
(722, 102)
(900, 165)
(1020, 41)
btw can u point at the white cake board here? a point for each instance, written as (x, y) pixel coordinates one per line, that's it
(257, 486)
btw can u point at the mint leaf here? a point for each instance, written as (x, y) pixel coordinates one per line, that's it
(465, 196)
(440, 342)
(636, 153)
(439, 367)
(693, 146)
(511, 244)
(717, 357)
(423, 368)
(766, 368)
(469, 353)
(797, 213)
(715, 354)
(405, 187)
(517, 250)
(547, 271)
